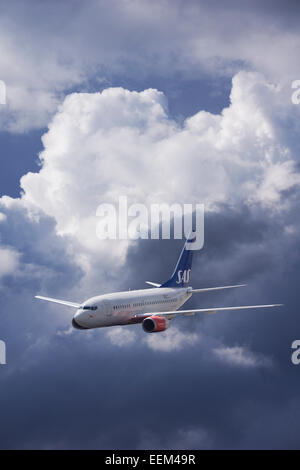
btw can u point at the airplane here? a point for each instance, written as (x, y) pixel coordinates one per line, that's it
(153, 307)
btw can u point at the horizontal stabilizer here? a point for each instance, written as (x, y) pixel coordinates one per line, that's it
(58, 301)
(153, 283)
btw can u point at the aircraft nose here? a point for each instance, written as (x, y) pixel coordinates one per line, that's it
(76, 322)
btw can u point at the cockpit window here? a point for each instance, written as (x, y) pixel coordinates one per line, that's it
(89, 307)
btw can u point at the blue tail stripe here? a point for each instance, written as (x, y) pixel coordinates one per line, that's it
(181, 274)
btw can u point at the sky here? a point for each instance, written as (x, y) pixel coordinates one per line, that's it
(161, 101)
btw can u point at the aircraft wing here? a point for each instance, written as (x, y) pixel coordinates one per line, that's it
(197, 291)
(58, 301)
(175, 313)
(207, 289)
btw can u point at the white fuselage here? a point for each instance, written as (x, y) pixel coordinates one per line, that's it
(120, 308)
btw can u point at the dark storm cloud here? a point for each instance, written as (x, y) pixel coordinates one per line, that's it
(79, 391)
(227, 232)
(35, 238)
(45, 266)
(241, 246)
(62, 390)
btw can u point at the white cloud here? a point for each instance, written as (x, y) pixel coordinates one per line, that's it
(42, 55)
(103, 145)
(34, 78)
(9, 261)
(171, 340)
(66, 331)
(278, 178)
(121, 336)
(240, 356)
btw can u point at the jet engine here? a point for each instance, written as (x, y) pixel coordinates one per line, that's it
(155, 323)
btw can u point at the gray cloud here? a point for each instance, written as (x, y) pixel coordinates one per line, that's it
(80, 391)
(61, 47)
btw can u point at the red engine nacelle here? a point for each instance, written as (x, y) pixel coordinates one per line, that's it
(155, 323)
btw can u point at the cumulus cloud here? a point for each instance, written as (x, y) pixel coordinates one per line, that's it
(9, 261)
(121, 336)
(171, 340)
(240, 356)
(103, 145)
(43, 56)
(100, 145)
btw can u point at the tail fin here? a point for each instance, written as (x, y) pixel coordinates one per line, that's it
(181, 274)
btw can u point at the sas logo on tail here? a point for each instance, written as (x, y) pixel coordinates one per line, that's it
(183, 276)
